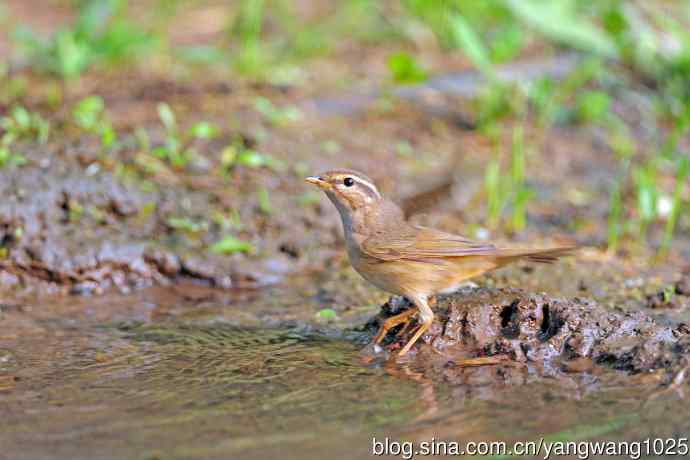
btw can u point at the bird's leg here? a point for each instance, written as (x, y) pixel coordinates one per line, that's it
(401, 332)
(426, 317)
(404, 329)
(394, 321)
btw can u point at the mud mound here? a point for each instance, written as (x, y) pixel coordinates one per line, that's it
(572, 334)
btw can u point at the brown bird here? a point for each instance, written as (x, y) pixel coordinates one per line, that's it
(405, 259)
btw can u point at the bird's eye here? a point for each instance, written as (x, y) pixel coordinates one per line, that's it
(349, 182)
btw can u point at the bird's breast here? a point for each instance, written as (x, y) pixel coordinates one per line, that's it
(426, 276)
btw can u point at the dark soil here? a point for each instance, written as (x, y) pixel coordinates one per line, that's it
(552, 333)
(67, 231)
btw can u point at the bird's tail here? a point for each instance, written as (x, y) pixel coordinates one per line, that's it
(542, 256)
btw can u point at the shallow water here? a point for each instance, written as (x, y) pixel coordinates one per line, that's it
(115, 378)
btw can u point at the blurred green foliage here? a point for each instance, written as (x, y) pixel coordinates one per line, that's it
(8, 157)
(508, 189)
(623, 46)
(237, 154)
(89, 115)
(326, 315)
(177, 146)
(101, 33)
(22, 124)
(187, 225)
(276, 115)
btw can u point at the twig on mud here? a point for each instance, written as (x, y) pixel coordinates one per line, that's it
(482, 361)
(679, 378)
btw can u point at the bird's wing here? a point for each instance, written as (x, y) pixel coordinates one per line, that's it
(413, 242)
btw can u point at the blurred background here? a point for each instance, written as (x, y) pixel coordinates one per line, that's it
(192, 123)
(164, 143)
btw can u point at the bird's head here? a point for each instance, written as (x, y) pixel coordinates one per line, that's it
(348, 190)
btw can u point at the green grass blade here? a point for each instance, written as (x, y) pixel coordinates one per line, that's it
(558, 21)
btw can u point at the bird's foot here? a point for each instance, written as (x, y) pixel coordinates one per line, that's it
(421, 329)
(393, 321)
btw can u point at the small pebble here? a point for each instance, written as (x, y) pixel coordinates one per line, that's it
(482, 234)
(633, 283)
(664, 206)
(92, 169)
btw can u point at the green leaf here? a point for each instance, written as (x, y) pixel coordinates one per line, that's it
(22, 117)
(203, 130)
(7, 157)
(264, 201)
(469, 41)
(72, 55)
(87, 112)
(405, 69)
(614, 217)
(646, 193)
(230, 245)
(18, 159)
(593, 106)
(251, 158)
(507, 43)
(185, 224)
(492, 186)
(108, 135)
(326, 314)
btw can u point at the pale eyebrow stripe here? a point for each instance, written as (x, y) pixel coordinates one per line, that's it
(371, 186)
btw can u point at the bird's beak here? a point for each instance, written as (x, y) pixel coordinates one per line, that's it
(315, 180)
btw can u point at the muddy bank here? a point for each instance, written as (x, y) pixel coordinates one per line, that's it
(67, 230)
(568, 335)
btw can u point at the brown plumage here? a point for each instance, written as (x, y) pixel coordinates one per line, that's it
(405, 259)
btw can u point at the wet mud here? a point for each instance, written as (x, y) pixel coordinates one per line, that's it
(550, 334)
(64, 230)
